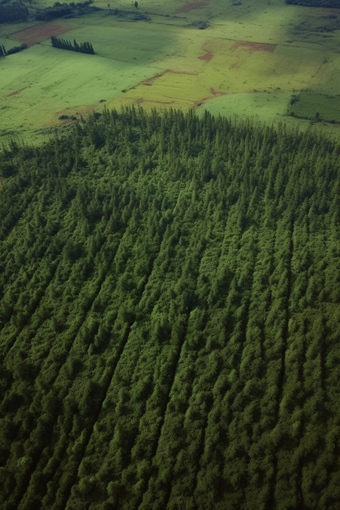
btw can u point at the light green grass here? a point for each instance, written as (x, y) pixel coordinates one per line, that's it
(57, 81)
(125, 42)
(264, 107)
(236, 81)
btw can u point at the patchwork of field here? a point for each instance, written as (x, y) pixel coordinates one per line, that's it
(43, 84)
(250, 60)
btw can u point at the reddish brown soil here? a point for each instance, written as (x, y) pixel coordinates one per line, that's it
(254, 46)
(214, 93)
(189, 6)
(16, 92)
(207, 57)
(39, 33)
(151, 81)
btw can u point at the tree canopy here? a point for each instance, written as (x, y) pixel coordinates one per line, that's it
(169, 316)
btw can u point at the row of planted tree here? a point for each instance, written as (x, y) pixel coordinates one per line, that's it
(170, 316)
(85, 47)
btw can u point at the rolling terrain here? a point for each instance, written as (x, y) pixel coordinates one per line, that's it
(248, 61)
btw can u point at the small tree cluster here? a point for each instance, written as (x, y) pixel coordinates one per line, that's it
(316, 3)
(85, 47)
(16, 49)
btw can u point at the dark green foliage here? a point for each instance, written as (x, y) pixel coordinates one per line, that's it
(13, 13)
(85, 47)
(57, 11)
(316, 3)
(65, 10)
(16, 49)
(169, 317)
(3, 51)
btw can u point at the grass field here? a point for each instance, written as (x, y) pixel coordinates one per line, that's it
(249, 61)
(317, 107)
(36, 93)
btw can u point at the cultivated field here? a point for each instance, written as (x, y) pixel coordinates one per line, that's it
(250, 60)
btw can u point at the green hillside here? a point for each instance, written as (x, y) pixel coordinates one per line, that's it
(228, 57)
(169, 317)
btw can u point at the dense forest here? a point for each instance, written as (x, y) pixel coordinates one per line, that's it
(65, 10)
(169, 317)
(13, 12)
(316, 3)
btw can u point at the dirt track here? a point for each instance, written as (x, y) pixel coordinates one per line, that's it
(254, 46)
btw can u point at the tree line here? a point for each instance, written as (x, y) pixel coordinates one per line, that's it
(3, 51)
(316, 3)
(11, 51)
(13, 12)
(169, 316)
(85, 47)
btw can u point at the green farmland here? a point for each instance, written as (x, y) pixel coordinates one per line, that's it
(316, 107)
(248, 61)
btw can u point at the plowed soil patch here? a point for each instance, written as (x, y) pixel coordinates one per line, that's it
(16, 92)
(39, 33)
(207, 57)
(192, 5)
(254, 46)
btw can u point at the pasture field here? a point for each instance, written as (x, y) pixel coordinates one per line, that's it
(249, 60)
(44, 83)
